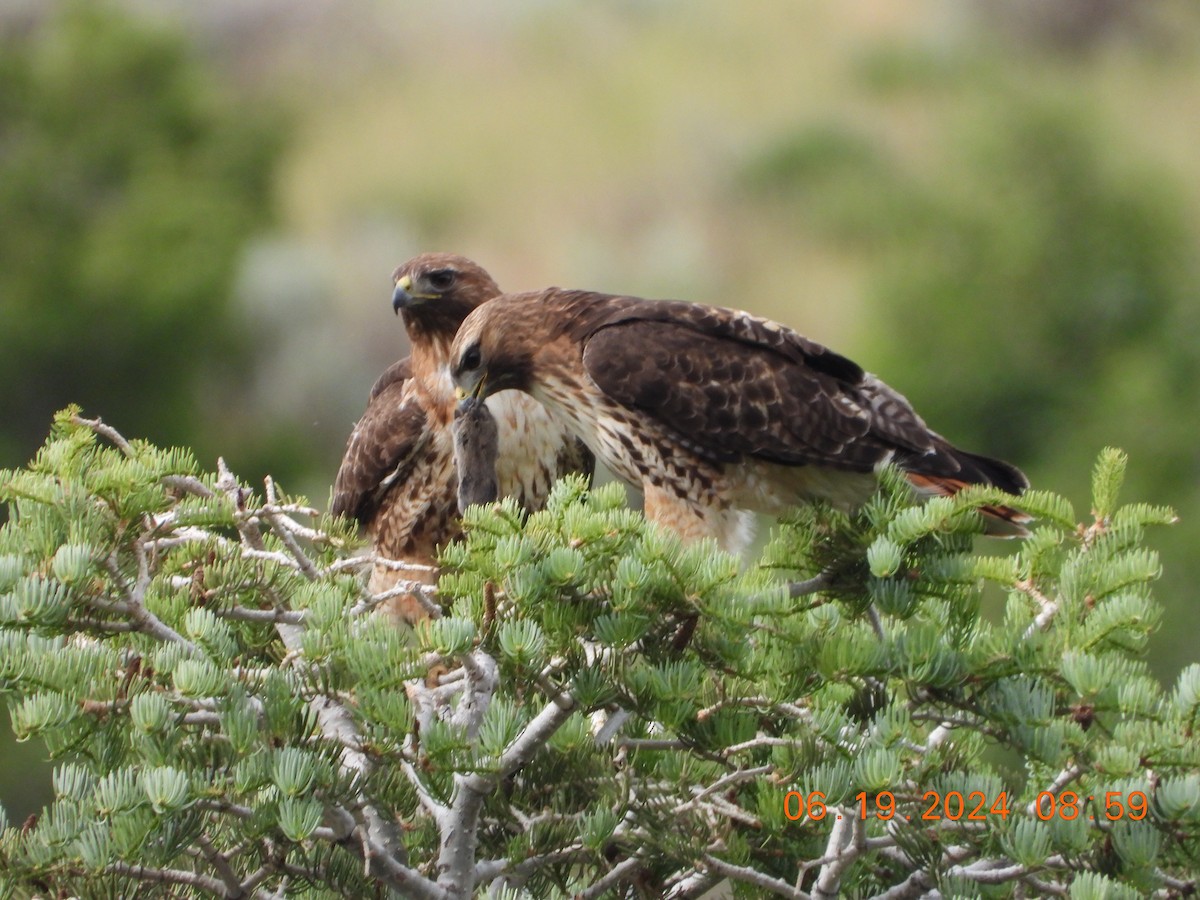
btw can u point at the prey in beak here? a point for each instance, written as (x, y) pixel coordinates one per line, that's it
(460, 394)
(476, 449)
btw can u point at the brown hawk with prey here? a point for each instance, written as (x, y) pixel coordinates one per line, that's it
(397, 476)
(713, 413)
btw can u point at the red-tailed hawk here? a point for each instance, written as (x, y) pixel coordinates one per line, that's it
(397, 476)
(712, 413)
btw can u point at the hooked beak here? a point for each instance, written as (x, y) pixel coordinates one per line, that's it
(401, 298)
(460, 394)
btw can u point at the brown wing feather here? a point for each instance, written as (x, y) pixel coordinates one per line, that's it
(585, 313)
(399, 371)
(727, 397)
(381, 447)
(729, 385)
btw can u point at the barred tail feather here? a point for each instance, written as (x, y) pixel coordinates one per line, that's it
(947, 470)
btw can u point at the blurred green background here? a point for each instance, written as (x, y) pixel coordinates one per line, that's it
(995, 204)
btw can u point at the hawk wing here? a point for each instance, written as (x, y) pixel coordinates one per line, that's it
(382, 447)
(728, 386)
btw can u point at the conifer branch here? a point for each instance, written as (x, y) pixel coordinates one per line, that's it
(351, 739)
(152, 875)
(1065, 777)
(623, 870)
(1186, 886)
(107, 432)
(257, 877)
(1047, 608)
(515, 874)
(847, 841)
(764, 703)
(266, 616)
(915, 885)
(86, 624)
(690, 883)
(482, 678)
(455, 863)
(202, 718)
(995, 871)
(222, 806)
(379, 837)
(187, 484)
(1046, 888)
(651, 743)
(876, 622)
(395, 565)
(726, 781)
(134, 596)
(437, 810)
(797, 589)
(421, 592)
(753, 876)
(233, 885)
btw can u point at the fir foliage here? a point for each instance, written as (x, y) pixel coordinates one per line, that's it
(598, 711)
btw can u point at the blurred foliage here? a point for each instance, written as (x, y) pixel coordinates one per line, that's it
(1032, 269)
(1031, 293)
(129, 183)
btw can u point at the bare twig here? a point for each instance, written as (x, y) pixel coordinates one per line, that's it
(107, 432)
(847, 841)
(168, 876)
(280, 527)
(809, 586)
(267, 616)
(618, 873)
(754, 877)
(516, 874)
(1048, 608)
(233, 884)
(725, 781)
(689, 883)
(188, 484)
(134, 597)
(420, 591)
(1065, 777)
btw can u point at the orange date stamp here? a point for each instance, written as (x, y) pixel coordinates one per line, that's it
(974, 806)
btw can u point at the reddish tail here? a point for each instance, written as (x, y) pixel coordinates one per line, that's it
(946, 470)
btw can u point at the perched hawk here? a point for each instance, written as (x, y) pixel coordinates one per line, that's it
(397, 476)
(712, 413)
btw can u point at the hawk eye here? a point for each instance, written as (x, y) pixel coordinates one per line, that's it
(441, 279)
(470, 359)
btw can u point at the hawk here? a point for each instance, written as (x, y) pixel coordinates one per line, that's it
(712, 413)
(397, 477)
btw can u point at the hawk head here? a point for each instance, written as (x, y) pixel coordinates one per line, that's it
(436, 291)
(495, 347)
